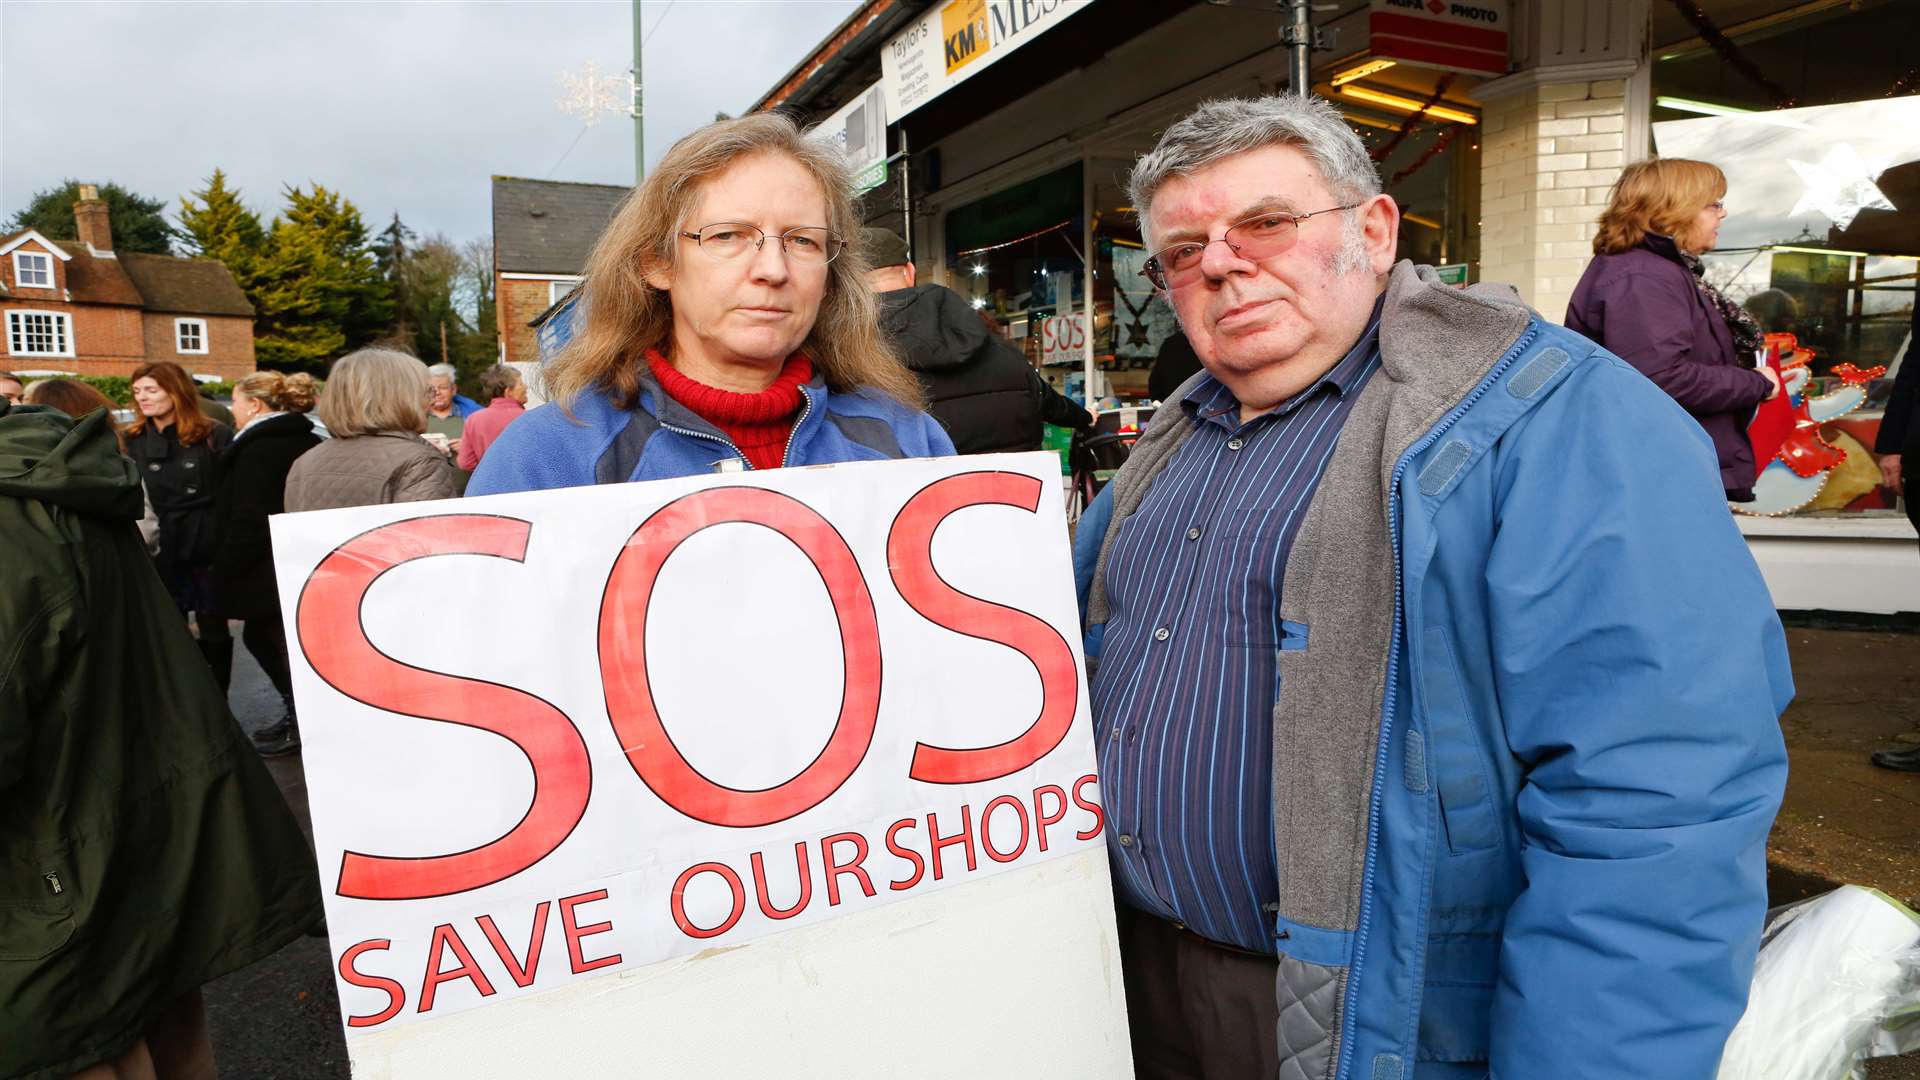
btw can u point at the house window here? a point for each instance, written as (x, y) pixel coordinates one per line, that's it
(32, 270)
(558, 289)
(190, 335)
(39, 333)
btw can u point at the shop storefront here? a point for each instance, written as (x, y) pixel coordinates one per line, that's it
(1499, 139)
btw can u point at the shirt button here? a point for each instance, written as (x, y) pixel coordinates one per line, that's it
(1116, 735)
(1125, 840)
(1193, 533)
(1162, 634)
(1235, 444)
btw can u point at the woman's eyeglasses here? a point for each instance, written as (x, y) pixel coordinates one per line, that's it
(1259, 237)
(731, 239)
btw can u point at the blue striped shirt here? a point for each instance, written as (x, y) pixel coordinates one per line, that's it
(1183, 696)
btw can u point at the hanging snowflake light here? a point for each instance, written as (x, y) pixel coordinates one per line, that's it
(591, 95)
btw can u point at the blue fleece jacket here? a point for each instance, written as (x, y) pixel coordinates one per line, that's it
(600, 443)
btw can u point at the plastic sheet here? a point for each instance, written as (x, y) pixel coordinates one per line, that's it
(1837, 982)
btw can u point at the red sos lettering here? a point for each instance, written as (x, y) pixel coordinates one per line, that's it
(337, 648)
(336, 645)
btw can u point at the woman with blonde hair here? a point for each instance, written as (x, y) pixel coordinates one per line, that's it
(1645, 298)
(175, 444)
(724, 324)
(375, 407)
(250, 486)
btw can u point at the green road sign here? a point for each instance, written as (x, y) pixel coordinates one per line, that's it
(1452, 273)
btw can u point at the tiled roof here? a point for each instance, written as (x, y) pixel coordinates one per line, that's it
(90, 280)
(549, 226)
(186, 286)
(152, 282)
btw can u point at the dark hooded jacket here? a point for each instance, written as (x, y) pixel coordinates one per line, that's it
(144, 850)
(1644, 306)
(980, 388)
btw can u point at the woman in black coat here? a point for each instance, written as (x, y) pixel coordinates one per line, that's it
(175, 445)
(251, 485)
(1644, 298)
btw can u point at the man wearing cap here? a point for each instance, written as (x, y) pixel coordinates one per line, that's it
(980, 388)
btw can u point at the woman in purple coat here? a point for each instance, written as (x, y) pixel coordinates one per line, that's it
(1644, 299)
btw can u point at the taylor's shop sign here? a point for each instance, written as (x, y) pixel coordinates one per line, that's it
(958, 39)
(551, 736)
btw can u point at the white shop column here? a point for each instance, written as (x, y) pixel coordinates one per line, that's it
(1556, 134)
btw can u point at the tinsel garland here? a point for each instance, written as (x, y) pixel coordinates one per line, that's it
(1406, 127)
(1439, 147)
(1906, 83)
(1691, 11)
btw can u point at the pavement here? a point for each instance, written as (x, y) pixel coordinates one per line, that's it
(1843, 820)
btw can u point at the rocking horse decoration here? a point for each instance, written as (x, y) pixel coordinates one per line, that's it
(1794, 461)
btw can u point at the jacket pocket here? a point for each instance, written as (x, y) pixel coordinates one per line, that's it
(34, 929)
(1459, 766)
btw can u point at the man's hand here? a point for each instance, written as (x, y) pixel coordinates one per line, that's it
(1890, 472)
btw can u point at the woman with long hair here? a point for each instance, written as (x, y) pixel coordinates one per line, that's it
(375, 407)
(251, 485)
(1646, 299)
(175, 445)
(724, 324)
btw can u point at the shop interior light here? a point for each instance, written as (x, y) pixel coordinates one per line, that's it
(1407, 104)
(1704, 108)
(979, 302)
(1821, 251)
(1361, 71)
(979, 269)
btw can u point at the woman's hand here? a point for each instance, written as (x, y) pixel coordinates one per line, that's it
(1773, 377)
(1890, 471)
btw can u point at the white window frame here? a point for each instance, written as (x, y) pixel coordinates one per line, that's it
(62, 319)
(200, 327)
(20, 269)
(557, 288)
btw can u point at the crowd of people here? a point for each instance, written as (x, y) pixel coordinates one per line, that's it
(1414, 693)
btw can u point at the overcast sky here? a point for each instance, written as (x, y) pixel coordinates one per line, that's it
(400, 106)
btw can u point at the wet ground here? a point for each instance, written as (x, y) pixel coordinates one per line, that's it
(1843, 821)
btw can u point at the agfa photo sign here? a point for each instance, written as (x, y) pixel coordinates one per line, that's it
(558, 736)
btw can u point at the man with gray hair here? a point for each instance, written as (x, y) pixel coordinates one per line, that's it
(1435, 691)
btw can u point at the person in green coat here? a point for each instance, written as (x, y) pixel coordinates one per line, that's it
(144, 850)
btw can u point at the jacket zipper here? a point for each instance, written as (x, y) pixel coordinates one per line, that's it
(806, 406)
(1388, 703)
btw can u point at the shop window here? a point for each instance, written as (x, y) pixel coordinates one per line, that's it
(1822, 236)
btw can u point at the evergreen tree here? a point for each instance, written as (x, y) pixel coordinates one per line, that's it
(317, 289)
(217, 225)
(138, 223)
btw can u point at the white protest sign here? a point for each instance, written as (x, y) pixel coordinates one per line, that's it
(1063, 338)
(958, 39)
(560, 738)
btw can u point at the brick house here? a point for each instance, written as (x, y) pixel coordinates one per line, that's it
(78, 306)
(543, 231)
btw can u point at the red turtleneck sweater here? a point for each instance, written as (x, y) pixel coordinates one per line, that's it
(756, 423)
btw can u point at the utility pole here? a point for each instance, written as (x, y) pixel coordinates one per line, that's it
(639, 112)
(1301, 38)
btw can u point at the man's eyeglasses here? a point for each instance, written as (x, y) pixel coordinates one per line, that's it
(728, 240)
(1259, 237)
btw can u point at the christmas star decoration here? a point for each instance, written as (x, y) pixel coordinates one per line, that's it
(1840, 186)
